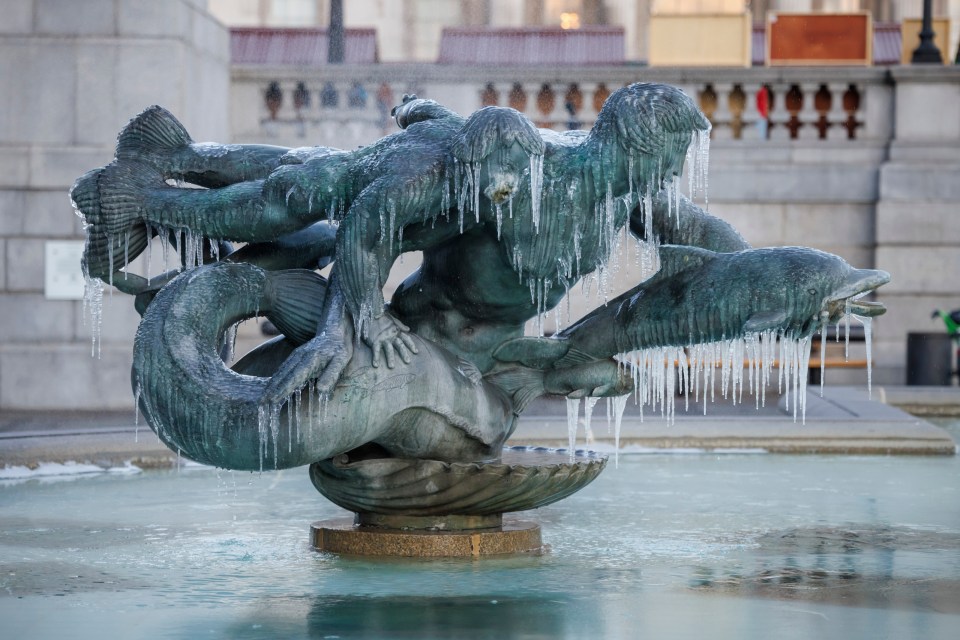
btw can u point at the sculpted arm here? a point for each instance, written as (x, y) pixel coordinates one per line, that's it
(695, 227)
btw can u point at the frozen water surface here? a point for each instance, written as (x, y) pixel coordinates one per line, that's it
(665, 546)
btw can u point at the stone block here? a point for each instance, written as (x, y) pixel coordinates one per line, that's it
(28, 317)
(833, 224)
(17, 17)
(37, 213)
(928, 111)
(793, 183)
(59, 167)
(151, 72)
(921, 270)
(207, 82)
(728, 152)
(840, 152)
(13, 202)
(65, 377)
(877, 106)
(35, 112)
(98, 91)
(908, 313)
(118, 322)
(14, 167)
(75, 17)
(153, 19)
(210, 37)
(859, 257)
(917, 223)
(919, 182)
(49, 213)
(760, 224)
(25, 261)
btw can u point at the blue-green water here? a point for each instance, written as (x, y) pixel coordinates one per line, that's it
(665, 546)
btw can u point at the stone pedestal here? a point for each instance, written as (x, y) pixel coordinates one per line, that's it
(426, 537)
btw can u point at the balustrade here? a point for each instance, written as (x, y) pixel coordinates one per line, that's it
(743, 105)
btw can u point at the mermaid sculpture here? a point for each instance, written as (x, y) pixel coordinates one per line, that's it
(508, 218)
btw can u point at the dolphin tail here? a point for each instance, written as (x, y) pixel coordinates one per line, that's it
(189, 397)
(152, 137)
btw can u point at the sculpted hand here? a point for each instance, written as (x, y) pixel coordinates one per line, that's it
(324, 358)
(388, 334)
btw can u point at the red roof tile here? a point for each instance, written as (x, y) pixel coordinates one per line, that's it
(532, 46)
(299, 46)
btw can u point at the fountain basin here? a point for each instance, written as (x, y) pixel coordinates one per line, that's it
(734, 545)
(524, 478)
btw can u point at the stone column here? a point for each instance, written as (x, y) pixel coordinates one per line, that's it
(73, 74)
(918, 235)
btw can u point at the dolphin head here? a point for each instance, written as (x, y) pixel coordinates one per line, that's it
(815, 287)
(848, 295)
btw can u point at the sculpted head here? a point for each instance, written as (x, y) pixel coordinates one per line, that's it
(652, 123)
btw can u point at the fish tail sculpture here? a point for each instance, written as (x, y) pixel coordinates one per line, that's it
(213, 414)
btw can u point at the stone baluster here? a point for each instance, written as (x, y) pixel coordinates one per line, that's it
(750, 129)
(779, 115)
(707, 101)
(808, 115)
(723, 115)
(837, 116)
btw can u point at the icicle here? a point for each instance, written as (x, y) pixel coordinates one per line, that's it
(393, 224)
(825, 319)
(263, 421)
(588, 405)
(93, 308)
(536, 188)
(619, 404)
(803, 365)
(846, 337)
(136, 413)
(499, 210)
(149, 249)
(867, 323)
(476, 190)
(573, 414)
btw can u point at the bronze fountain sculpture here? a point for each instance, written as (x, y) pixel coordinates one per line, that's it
(402, 409)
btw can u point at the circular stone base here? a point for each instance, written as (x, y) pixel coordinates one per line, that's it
(344, 537)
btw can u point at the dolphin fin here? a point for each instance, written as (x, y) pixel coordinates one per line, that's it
(574, 357)
(763, 320)
(469, 371)
(538, 353)
(523, 384)
(292, 300)
(677, 258)
(151, 137)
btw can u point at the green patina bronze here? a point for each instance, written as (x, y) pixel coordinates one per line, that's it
(508, 218)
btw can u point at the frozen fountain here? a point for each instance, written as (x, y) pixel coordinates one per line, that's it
(402, 410)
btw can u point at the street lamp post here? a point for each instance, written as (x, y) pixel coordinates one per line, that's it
(927, 52)
(335, 33)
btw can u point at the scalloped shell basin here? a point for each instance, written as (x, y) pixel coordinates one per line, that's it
(524, 478)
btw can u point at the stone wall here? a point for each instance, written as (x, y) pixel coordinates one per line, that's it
(73, 72)
(918, 213)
